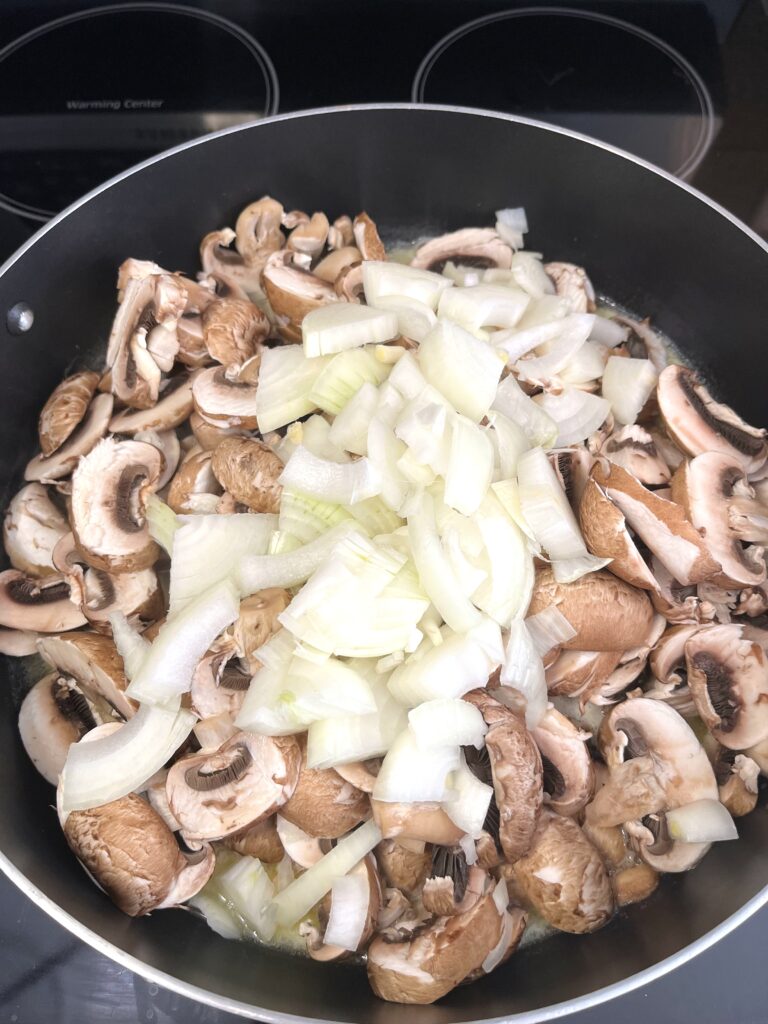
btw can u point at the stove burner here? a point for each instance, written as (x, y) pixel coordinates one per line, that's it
(86, 95)
(580, 70)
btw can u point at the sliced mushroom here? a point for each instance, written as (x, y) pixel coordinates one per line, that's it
(132, 854)
(737, 777)
(677, 603)
(423, 821)
(219, 685)
(404, 863)
(515, 771)
(42, 605)
(728, 679)
(257, 622)
(323, 804)
(302, 849)
(194, 479)
(224, 265)
(214, 730)
(17, 643)
(633, 448)
(293, 292)
(575, 673)
(80, 442)
(208, 435)
(245, 781)
(469, 247)
(92, 660)
(563, 877)
(607, 613)
(260, 841)
(65, 409)
(452, 887)
(367, 239)
(310, 236)
(634, 883)
(361, 774)
(650, 838)
(340, 233)
(329, 268)
(258, 231)
(572, 467)
(572, 284)
(32, 528)
(233, 330)
(167, 443)
(224, 399)
(170, 411)
(349, 284)
(606, 535)
(54, 714)
(110, 488)
(569, 778)
(249, 470)
(697, 424)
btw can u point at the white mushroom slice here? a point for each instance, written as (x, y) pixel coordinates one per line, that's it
(109, 492)
(451, 886)
(211, 732)
(65, 409)
(329, 268)
(303, 850)
(227, 400)
(92, 660)
(580, 673)
(573, 285)
(53, 715)
(634, 449)
(167, 443)
(17, 643)
(249, 470)
(257, 622)
(737, 777)
(310, 236)
(171, 410)
(360, 773)
(293, 292)
(32, 528)
(208, 435)
(367, 239)
(340, 233)
(219, 685)
(227, 268)
(568, 775)
(469, 247)
(80, 442)
(245, 781)
(42, 605)
(233, 330)
(258, 231)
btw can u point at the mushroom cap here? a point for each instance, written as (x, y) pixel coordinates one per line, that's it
(323, 804)
(667, 658)
(564, 878)
(580, 673)
(309, 236)
(260, 841)
(367, 239)
(664, 856)
(403, 863)
(65, 409)
(728, 680)
(606, 535)
(42, 605)
(697, 424)
(32, 528)
(209, 435)
(135, 594)
(225, 399)
(293, 292)
(171, 410)
(225, 267)
(341, 233)
(607, 613)
(233, 330)
(634, 883)
(332, 265)
(81, 440)
(53, 715)
(91, 659)
(569, 778)
(438, 959)
(257, 230)
(361, 774)
(194, 478)
(168, 444)
(475, 247)
(213, 794)
(109, 491)
(634, 449)
(452, 887)
(218, 684)
(421, 821)
(516, 772)
(257, 622)
(249, 470)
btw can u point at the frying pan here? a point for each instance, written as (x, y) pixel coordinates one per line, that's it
(653, 243)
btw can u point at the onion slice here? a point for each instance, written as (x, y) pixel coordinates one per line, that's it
(342, 483)
(703, 821)
(130, 644)
(344, 325)
(467, 805)
(349, 910)
(413, 774)
(461, 367)
(447, 721)
(627, 385)
(576, 413)
(289, 568)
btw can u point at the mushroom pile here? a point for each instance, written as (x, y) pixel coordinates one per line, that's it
(389, 602)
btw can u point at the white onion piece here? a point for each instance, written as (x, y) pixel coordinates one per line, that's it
(343, 740)
(586, 366)
(546, 508)
(106, 769)
(208, 549)
(509, 442)
(465, 370)
(304, 518)
(470, 466)
(249, 889)
(343, 483)
(609, 332)
(384, 452)
(529, 274)
(519, 342)
(424, 427)
(349, 910)
(217, 914)
(627, 385)
(315, 435)
(467, 844)
(182, 641)
(412, 774)
(703, 821)
(339, 381)
(483, 305)
(258, 572)
(447, 721)
(469, 576)
(543, 311)
(308, 889)
(415, 319)
(375, 516)
(496, 955)
(549, 628)
(409, 382)
(344, 325)
(513, 402)
(523, 670)
(511, 225)
(388, 278)
(469, 799)
(130, 644)
(162, 522)
(501, 895)
(508, 588)
(574, 331)
(349, 429)
(286, 377)
(434, 569)
(508, 494)
(456, 666)
(330, 687)
(576, 413)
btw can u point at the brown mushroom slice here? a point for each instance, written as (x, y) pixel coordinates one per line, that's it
(469, 247)
(349, 283)
(208, 435)
(218, 685)
(323, 804)
(574, 673)
(340, 233)
(257, 230)
(697, 424)
(329, 268)
(65, 409)
(661, 524)
(309, 238)
(737, 777)
(728, 679)
(634, 883)
(223, 398)
(678, 604)
(572, 284)
(246, 780)
(607, 613)
(563, 877)
(423, 821)
(194, 478)
(606, 535)
(233, 330)
(438, 958)
(404, 863)
(223, 264)
(451, 886)
(361, 774)
(257, 622)
(293, 292)
(260, 841)
(572, 467)
(717, 497)
(302, 849)
(569, 778)
(32, 527)
(53, 715)
(249, 470)
(80, 442)
(631, 665)
(110, 488)
(171, 410)
(651, 840)
(91, 659)
(39, 604)
(633, 448)
(191, 338)
(367, 239)
(167, 443)
(516, 774)
(132, 854)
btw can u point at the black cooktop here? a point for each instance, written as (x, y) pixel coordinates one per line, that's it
(87, 90)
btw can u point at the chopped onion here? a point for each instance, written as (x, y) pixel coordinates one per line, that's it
(349, 738)
(529, 274)
(349, 911)
(409, 382)
(576, 413)
(423, 427)
(568, 570)
(586, 366)
(345, 325)
(523, 670)
(315, 435)
(286, 377)
(130, 644)
(703, 821)
(627, 384)
(309, 888)
(249, 889)
(483, 305)
(470, 466)
(468, 575)
(508, 494)
(343, 377)
(208, 549)
(508, 588)
(511, 225)
(513, 402)
(162, 522)
(509, 443)
(461, 274)
(415, 319)
(574, 331)
(375, 516)
(342, 483)
(101, 770)
(349, 429)
(549, 628)
(324, 689)
(288, 569)
(467, 844)
(413, 774)
(307, 518)
(467, 805)
(518, 342)
(389, 278)
(384, 452)
(546, 508)
(217, 914)
(465, 370)
(609, 332)
(447, 721)
(182, 641)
